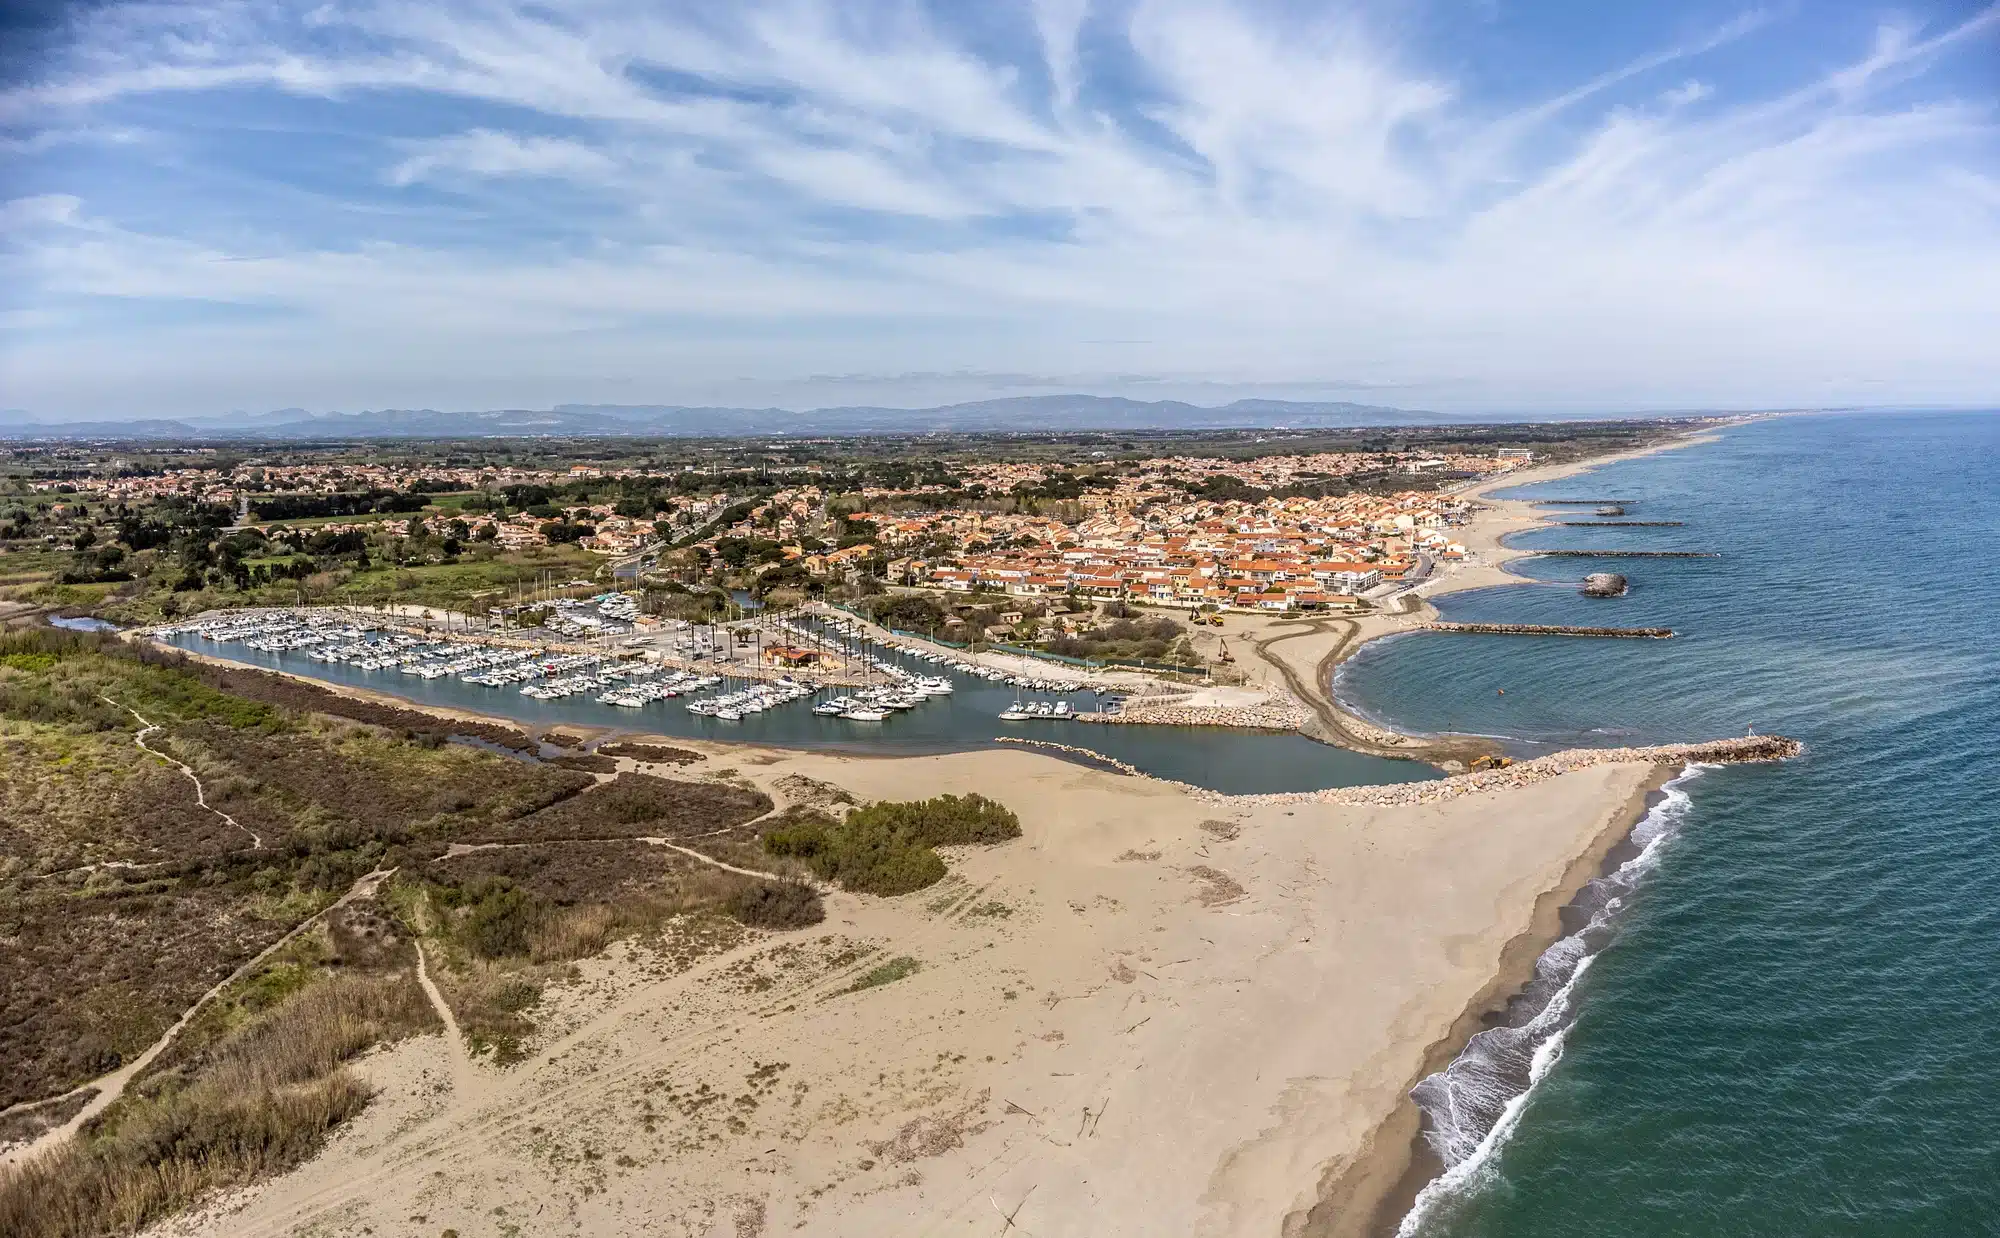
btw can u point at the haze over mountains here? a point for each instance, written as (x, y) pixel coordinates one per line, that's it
(1021, 414)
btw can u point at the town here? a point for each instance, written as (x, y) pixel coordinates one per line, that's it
(138, 534)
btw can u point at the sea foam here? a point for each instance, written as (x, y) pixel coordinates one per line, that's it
(1473, 1105)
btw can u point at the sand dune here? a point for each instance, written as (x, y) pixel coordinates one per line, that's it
(1151, 1014)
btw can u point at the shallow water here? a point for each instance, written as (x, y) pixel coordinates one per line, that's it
(1790, 1027)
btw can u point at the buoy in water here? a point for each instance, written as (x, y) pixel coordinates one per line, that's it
(1503, 692)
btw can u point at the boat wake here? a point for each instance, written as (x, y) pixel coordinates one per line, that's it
(1472, 1106)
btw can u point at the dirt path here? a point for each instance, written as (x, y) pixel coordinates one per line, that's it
(201, 796)
(112, 1086)
(462, 1067)
(1334, 725)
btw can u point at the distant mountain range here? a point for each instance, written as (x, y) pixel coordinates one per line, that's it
(1021, 414)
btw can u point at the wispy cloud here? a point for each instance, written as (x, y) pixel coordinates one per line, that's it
(483, 152)
(578, 199)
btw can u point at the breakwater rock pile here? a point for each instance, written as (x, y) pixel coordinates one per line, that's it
(1613, 510)
(1604, 585)
(1626, 554)
(1743, 750)
(1267, 717)
(1618, 524)
(1551, 629)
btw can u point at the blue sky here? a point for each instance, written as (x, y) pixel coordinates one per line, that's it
(1458, 204)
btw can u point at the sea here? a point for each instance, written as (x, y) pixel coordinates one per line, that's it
(1779, 1013)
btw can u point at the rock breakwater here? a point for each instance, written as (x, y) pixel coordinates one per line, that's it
(1742, 750)
(1551, 629)
(1626, 554)
(1266, 717)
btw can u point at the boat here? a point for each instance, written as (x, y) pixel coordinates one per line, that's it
(864, 713)
(1015, 713)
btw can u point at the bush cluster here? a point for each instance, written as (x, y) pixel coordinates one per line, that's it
(776, 904)
(886, 847)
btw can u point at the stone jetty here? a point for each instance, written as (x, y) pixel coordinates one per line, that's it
(1626, 554)
(1618, 524)
(1604, 585)
(1582, 502)
(1552, 629)
(1266, 717)
(1742, 750)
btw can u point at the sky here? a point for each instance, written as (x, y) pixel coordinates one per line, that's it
(1462, 205)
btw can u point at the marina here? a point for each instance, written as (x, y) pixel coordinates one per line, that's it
(866, 695)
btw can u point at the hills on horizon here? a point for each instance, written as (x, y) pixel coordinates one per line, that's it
(1016, 414)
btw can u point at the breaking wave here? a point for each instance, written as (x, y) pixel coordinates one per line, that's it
(1472, 1106)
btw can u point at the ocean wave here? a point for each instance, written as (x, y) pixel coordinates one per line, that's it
(1472, 1105)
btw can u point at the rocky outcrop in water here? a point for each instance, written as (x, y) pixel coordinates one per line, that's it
(1604, 585)
(1613, 510)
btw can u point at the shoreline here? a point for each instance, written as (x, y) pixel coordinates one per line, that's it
(1362, 1188)
(1370, 1196)
(1140, 959)
(1308, 667)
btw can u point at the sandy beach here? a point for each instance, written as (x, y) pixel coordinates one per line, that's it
(1160, 1011)
(1152, 1014)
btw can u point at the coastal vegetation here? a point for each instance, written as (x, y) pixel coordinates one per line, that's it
(888, 847)
(169, 826)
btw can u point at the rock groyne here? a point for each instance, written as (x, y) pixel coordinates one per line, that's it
(1618, 524)
(1742, 750)
(1626, 554)
(1550, 629)
(1253, 717)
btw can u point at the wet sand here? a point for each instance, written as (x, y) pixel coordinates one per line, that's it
(1370, 1197)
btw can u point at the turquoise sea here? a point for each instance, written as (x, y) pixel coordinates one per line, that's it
(1781, 1014)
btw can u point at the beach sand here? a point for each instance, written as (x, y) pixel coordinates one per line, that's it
(1152, 1014)
(1156, 1013)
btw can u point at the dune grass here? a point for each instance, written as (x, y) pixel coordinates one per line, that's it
(260, 1101)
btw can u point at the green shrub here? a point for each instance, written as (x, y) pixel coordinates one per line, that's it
(887, 973)
(886, 848)
(776, 904)
(491, 916)
(945, 821)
